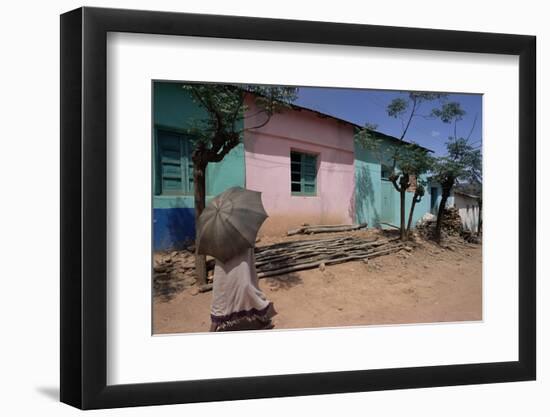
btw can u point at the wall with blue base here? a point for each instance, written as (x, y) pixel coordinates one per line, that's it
(173, 228)
(174, 215)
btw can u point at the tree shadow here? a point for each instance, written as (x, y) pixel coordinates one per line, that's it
(168, 283)
(390, 233)
(365, 203)
(167, 286)
(284, 282)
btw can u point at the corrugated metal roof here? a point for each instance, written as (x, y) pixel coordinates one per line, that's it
(355, 125)
(465, 194)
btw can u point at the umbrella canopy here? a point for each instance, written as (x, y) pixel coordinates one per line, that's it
(229, 223)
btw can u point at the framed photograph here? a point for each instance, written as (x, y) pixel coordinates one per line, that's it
(259, 208)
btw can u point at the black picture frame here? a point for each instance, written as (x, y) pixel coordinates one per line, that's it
(84, 207)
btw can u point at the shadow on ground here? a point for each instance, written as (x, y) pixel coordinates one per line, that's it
(283, 282)
(171, 281)
(166, 287)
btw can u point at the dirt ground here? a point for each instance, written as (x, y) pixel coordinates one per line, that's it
(427, 284)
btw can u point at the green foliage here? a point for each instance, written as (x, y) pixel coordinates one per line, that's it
(412, 160)
(402, 158)
(449, 112)
(371, 126)
(272, 99)
(462, 163)
(427, 96)
(224, 105)
(409, 108)
(368, 139)
(397, 107)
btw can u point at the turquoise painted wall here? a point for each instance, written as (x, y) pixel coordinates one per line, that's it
(368, 187)
(173, 109)
(368, 195)
(173, 216)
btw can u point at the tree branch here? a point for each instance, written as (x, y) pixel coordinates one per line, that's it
(199, 98)
(237, 109)
(217, 157)
(455, 129)
(393, 180)
(260, 125)
(410, 119)
(472, 129)
(217, 154)
(255, 114)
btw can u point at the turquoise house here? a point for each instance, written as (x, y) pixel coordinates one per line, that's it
(173, 212)
(376, 200)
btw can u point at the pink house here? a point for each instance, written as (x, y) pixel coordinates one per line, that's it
(303, 163)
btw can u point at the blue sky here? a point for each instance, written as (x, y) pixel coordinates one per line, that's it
(369, 106)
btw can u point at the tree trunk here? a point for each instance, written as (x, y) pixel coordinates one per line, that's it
(411, 215)
(402, 230)
(479, 218)
(446, 192)
(403, 185)
(199, 180)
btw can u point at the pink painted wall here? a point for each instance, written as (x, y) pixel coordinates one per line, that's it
(267, 156)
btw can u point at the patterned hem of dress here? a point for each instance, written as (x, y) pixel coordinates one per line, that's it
(252, 319)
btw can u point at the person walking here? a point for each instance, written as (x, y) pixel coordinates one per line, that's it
(227, 230)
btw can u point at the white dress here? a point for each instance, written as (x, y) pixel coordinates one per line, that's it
(238, 303)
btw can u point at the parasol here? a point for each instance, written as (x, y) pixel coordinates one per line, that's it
(229, 223)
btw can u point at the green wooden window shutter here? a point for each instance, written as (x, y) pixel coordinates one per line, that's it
(175, 168)
(303, 173)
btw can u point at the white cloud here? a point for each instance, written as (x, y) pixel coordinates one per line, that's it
(435, 133)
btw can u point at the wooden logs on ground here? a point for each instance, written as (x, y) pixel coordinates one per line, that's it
(307, 229)
(287, 257)
(328, 253)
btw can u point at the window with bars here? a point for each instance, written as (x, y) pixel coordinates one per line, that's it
(174, 165)
(303, 173)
